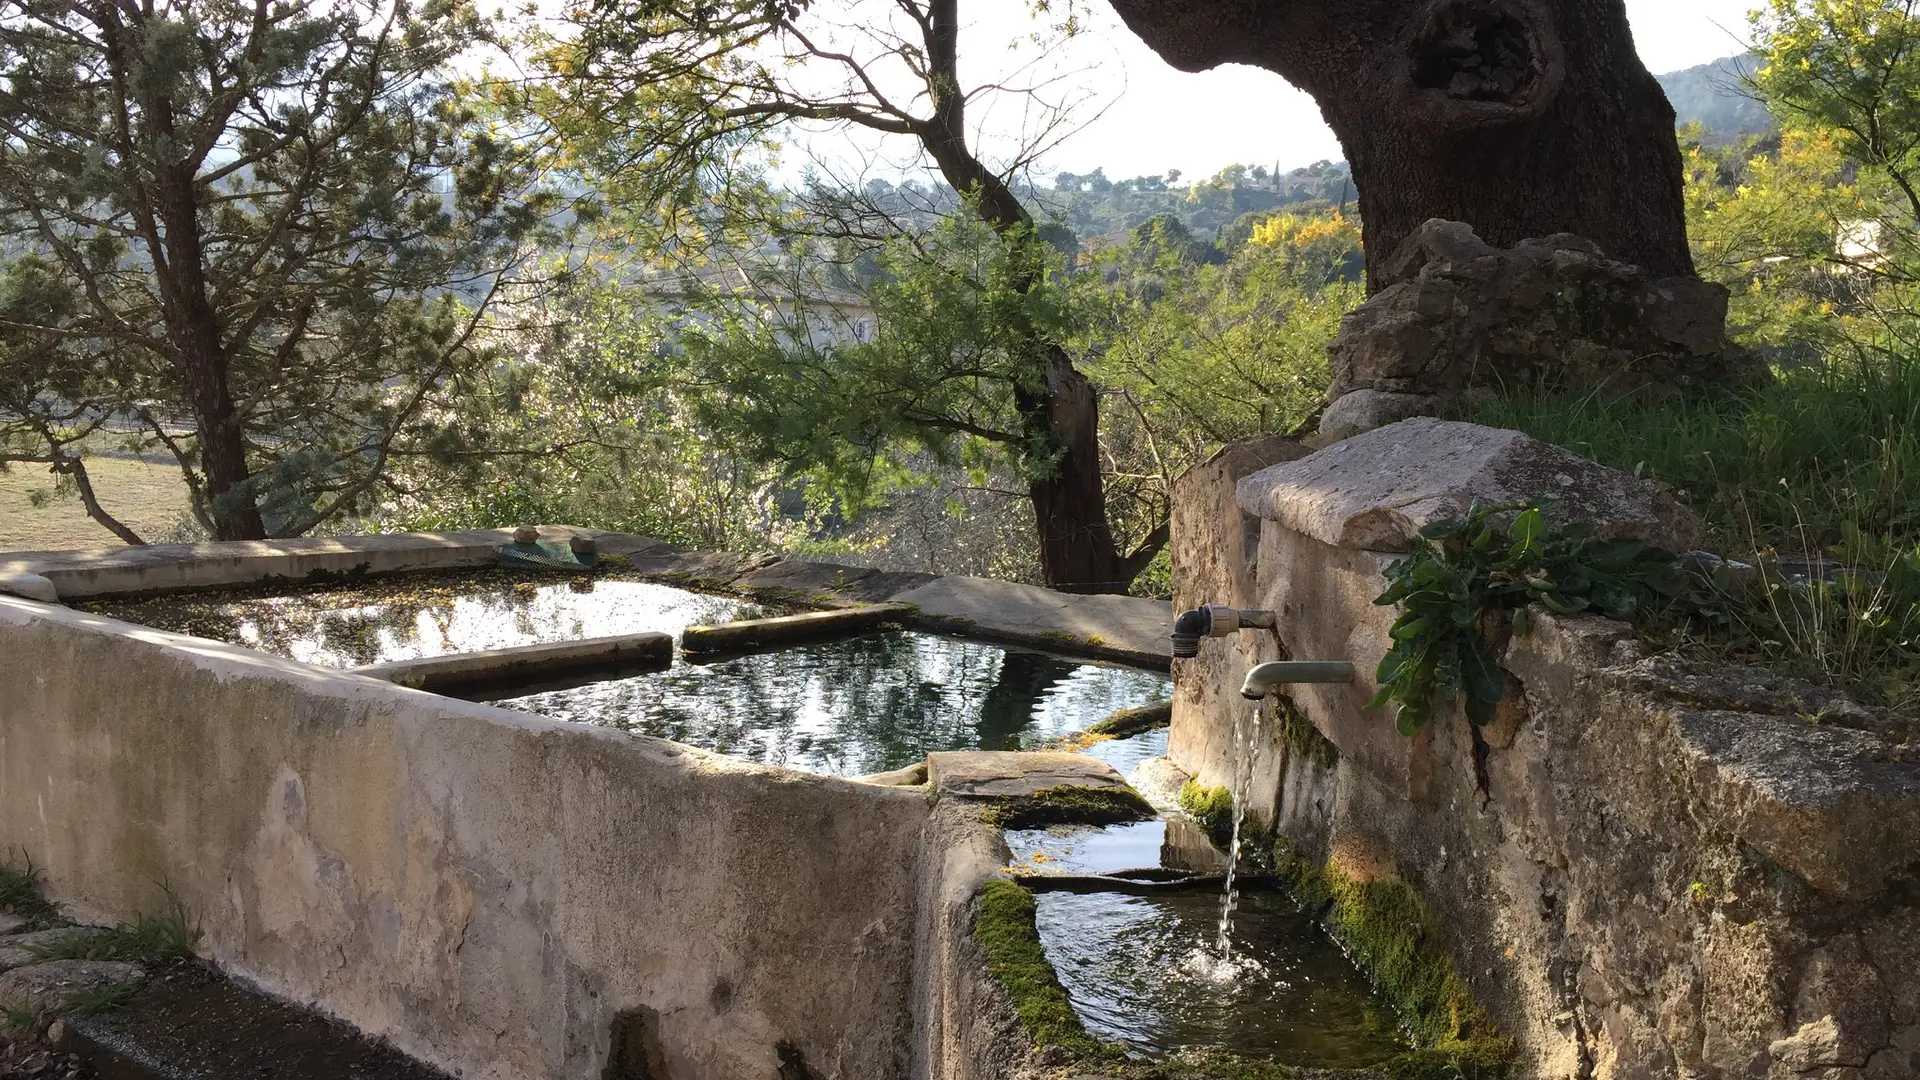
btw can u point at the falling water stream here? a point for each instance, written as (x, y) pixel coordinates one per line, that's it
(1219, 965)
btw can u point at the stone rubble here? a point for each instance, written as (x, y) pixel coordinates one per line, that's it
(1459, 313)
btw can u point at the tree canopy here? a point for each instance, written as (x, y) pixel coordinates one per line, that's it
(259, 235)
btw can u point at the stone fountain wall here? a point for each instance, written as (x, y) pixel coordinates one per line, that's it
(1642, 870)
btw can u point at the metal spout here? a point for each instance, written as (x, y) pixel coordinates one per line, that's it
(1262, 678)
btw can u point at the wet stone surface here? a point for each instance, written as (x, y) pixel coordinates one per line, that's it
(860, 705)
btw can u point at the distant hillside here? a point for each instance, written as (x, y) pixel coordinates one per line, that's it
(1713, 96)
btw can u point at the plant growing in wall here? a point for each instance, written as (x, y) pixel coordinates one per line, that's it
(1463, 570)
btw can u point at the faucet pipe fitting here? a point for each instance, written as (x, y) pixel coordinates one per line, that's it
(1262, 678)
(1214, 620)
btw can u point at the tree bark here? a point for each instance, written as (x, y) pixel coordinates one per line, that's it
(1061, 410)
(83, 482)
(195, 333)
(1521, 118)
(1077, 549)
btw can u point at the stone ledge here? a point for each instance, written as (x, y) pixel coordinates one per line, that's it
(1130, 629)
(129, 571)
(1375, 491)
(784, 630)
(439, 674)
(1126, 629)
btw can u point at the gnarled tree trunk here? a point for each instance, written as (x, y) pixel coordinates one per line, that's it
(1521, 118)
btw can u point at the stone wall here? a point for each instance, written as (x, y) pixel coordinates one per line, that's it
(1643, 871)
(1217, 546)
(491, 891)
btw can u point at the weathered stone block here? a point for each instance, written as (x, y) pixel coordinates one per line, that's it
(1552, 311)
(1377, 490)
(50, 987)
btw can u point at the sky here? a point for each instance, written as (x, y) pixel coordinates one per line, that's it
(1137, 115)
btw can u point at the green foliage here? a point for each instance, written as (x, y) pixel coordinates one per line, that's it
(1211, 808)
(1819, 465)
(1219, 208)
(605, 415)
(1211, 354)
(1003, 927)
(98, 999)
(957, 317)
(267, 241)
(1399, 944)
(1462, 570)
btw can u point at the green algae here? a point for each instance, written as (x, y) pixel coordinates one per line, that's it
(1070, 805)
(1399, 944)
(1004, 929)
(1212, 808)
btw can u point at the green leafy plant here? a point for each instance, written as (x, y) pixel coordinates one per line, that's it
(1463, 570)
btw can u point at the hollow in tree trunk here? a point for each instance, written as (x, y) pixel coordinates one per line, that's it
(1521, 118)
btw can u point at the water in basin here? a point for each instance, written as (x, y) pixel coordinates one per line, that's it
(1127, 963)
(863, 704)
(430, 614)
(1126, 755)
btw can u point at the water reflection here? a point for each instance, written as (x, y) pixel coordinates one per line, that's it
(1124, 961)
(859, 705)
(417, 615)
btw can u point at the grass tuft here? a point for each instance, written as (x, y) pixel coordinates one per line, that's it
(168, 935)
(99, 999)
(21, 894)
(1813, 477)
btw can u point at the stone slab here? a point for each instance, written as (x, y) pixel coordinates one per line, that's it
(30, 586)
(828, 583)
(1130, 629)
(228, 564)
(787, 629)
(49, 987)
(21, 950)
(1126, 629)
(11, 924)
(998, 774)
(1375, 491)
(524, 662)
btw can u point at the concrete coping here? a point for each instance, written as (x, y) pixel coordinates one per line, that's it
(439, 674)
(1377, 490)
(1127, 629)
(753, 634)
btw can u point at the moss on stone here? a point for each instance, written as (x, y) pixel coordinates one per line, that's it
(1070, 805)
(1004, 928)
(1212, 807)
(1301, 736)
(1127, 722)
(1398, 943)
